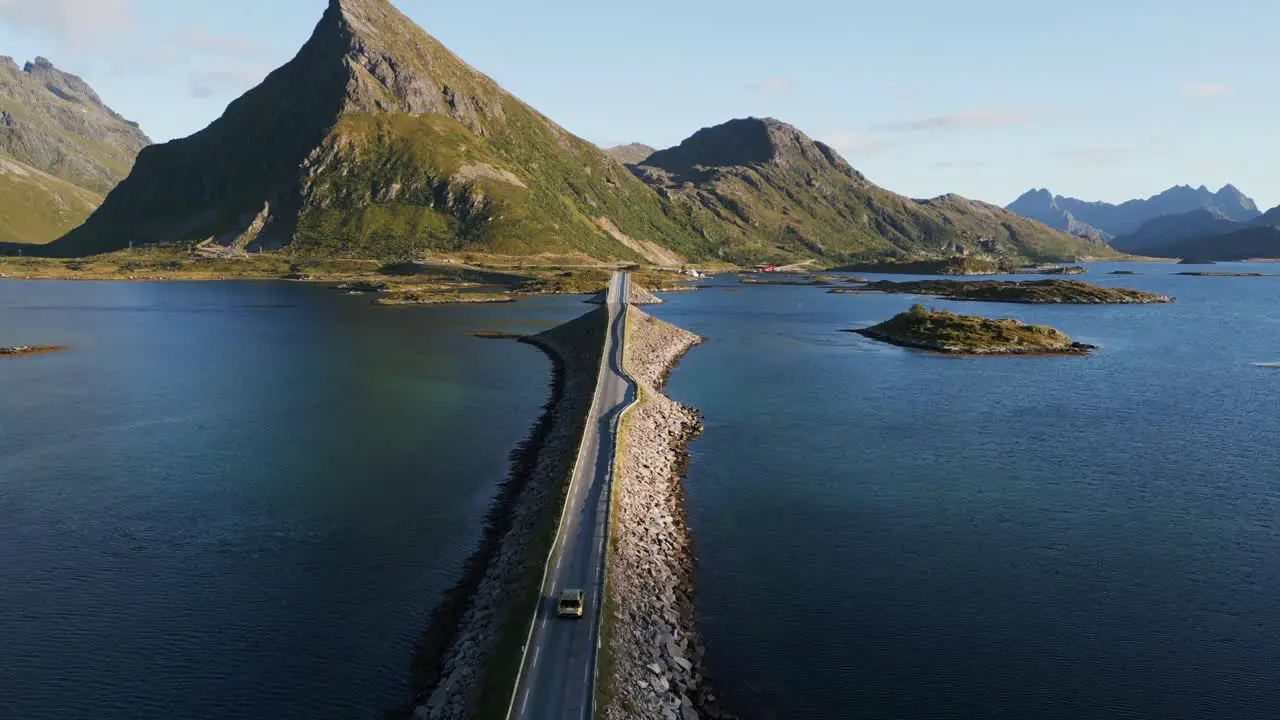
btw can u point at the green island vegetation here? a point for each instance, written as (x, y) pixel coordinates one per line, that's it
(25, 350)
(413, 296)
(1122, 272)
(1054, 270)
(789, 279)
(1039, 292)
(945, 332)
(496, 335)
(1196, 261)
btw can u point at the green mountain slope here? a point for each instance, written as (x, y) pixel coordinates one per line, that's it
(61, 150)
(759, 190)
(375, 140)
(36, 206)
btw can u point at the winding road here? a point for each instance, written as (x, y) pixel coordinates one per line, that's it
(557, 675)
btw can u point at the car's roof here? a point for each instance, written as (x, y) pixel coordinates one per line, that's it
(571, 593)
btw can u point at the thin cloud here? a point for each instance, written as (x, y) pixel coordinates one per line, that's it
(70, 23)
(975, 119)
(1206, 90)
(773, 86)
(221, 44)
(857, 145)
(208, 83)
(1096, 157)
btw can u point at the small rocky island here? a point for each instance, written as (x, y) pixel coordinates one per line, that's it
(944, 332)
(1038, 292)
(1224, 274)
(23, 350)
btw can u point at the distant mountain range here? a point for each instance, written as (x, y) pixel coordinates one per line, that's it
(61, 150)
(1107, 221)
(375, 140)
(1205, 234)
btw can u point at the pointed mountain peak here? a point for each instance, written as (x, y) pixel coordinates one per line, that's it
(387, 64)
(751, 141)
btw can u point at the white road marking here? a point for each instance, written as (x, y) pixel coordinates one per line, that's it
(525, 703)
(536, 653)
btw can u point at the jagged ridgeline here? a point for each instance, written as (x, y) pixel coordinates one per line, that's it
(763, 188)
(61, 150)
(376, 140)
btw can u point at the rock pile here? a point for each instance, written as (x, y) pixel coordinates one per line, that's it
(657, 657)
(469, 621)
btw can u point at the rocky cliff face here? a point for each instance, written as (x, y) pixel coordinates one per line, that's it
(376, 140)
(759, 189)
(1126, 218)
(54, 122)
(61, 150)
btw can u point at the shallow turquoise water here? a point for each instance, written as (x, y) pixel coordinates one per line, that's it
(241, 500)
(888, 534)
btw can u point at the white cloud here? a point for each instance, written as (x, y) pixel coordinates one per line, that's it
(1206, 90)
(855, 145)
(211, 43)
(219, 81)
(70, 22)
(977, 118)
(774, 86)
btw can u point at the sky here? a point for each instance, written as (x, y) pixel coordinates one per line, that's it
(1097, 99)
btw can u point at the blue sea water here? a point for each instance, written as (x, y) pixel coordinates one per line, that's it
(242, 500)
(893, 535)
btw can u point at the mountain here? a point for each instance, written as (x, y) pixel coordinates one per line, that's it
(61, 150)
(759, 189)
(632, 154)
(1154, 235)
(375, 140)
(1207, 235)
(1080, 216)
(36, 207)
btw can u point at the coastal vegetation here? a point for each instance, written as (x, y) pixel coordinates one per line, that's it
(1040, 292)
(945, 332)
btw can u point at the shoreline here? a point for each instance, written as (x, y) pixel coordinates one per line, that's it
(1074, 350)
(29, 350)
(460, 666)
(655, 664)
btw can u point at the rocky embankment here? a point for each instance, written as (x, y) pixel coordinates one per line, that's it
(24, 350)
(457, 665)
(656, 657)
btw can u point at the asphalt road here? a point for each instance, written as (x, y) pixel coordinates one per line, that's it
(557, 678)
